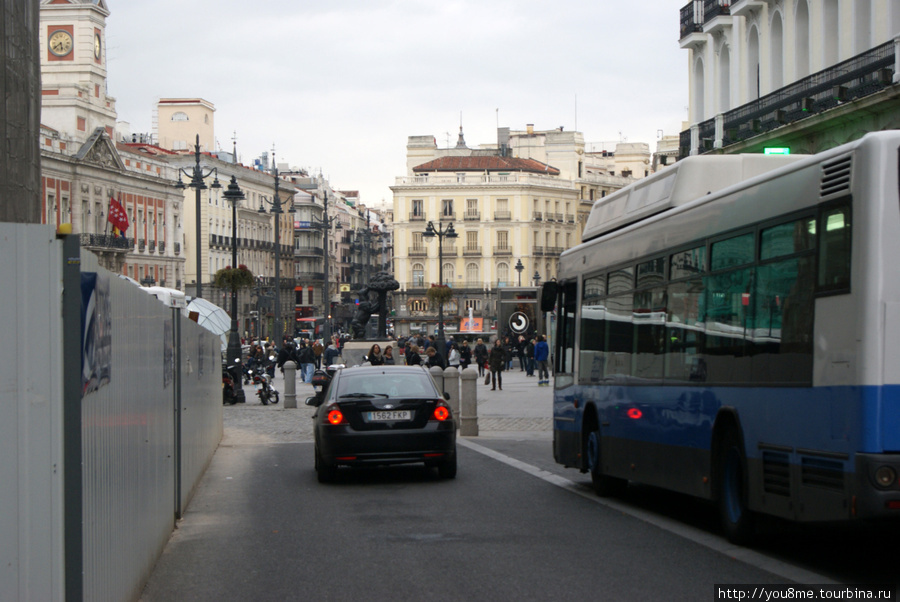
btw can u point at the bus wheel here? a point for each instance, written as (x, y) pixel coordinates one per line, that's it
(604, 485)
(737, 520)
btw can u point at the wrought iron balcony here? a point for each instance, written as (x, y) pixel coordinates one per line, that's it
(537, 251)
(470, 216)
(418, 252)
(537, 216)
(502, 216)
(107, 242)
(162, 246)
(141, 245)
(416, 216)
(502, 250)
(151, 246)
(470, 251)
(318, 251)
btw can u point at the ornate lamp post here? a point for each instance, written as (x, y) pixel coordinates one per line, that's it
(234, 195)
(276, 204)
(441, 233)
(325, 223)
(536, 278)
(519, 268)
(198, 175)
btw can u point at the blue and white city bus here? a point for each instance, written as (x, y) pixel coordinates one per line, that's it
(730, 329)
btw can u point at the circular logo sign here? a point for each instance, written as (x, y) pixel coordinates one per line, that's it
(518, 322)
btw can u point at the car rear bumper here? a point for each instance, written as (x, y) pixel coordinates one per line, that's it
(343, 445)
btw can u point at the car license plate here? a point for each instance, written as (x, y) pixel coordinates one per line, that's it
(385, 416)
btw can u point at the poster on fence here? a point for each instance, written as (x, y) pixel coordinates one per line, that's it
(96, 332)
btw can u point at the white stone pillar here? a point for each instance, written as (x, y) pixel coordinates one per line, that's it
(290, 385)
(451, 386)
(468, 399)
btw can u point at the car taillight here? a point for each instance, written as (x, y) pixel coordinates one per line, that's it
(441, 413)
(335, 416)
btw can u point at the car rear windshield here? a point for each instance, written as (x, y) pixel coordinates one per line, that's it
(386, 384)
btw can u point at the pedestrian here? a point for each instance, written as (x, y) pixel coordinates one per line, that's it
(318, 350)
(529, 357)
(453, 356)
(497, 361)
(541, 355)
(412, 355)
(465, 355)
(307, 359)
(374, 357)
(330, 355)
(510, 350)
(520, 352)
(388, 356)
(435, 359)
(481, 356)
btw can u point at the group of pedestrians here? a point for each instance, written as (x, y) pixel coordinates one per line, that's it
(306, 354)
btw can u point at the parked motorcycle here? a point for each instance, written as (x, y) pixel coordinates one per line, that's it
(265, 390)
(228, 393)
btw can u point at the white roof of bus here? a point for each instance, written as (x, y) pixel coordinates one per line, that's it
(686, 181)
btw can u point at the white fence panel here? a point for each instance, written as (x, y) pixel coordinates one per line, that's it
(31, 469)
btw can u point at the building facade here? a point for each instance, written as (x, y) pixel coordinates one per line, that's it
(515, 207)
(799, 74)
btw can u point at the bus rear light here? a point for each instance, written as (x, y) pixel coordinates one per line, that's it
(893, 505)
(635, 414)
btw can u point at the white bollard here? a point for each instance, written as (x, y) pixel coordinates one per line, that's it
(290, 385)
(468, 400)
(451, 386)
(438, 375)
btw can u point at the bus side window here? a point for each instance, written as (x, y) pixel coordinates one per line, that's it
(834, 250)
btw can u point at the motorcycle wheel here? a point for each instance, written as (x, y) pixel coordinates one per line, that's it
(274, 397)
(264, 397)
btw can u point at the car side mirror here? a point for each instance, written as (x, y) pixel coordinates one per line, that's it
(446, 396)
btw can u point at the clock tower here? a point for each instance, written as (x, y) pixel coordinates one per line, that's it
(73, 68)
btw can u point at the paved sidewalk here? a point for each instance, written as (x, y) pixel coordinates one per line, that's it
(521, 410)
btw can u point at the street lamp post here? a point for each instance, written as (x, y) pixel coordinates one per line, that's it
(519, 268)
(440, 232)
(234, 195)
(197, 176)
(536, 278)
(325, 223)
(276, 203)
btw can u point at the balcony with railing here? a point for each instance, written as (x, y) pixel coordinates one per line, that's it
(141, 245)
(554, 250)
(504, 250)
(416, 216)
(418, 252)
(307, 276)
(151, 246)
(570, 218)
(107, 242)
(537, 250)
(537, 216)
(469, 251)
(502, 216)
(162, 246)
(863, 75)
(472, 216)
(303, 251)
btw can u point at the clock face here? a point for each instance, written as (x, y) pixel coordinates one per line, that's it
(97, 46)
(60, 43)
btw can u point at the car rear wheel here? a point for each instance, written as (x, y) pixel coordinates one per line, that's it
(447, 467)
(325, 472)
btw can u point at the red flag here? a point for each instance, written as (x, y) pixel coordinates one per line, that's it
(117, 216)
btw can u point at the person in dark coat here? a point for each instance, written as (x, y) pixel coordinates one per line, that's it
(412, 355)
(374, 357)
(481, 356)
(435, 359)
(509, 347)
(497, 362)
(465, 355)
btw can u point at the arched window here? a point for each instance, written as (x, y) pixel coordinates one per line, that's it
(698, 91)
(724, 79)
(503, 274)
(418, 275)
(776, 52)
(448, 274)
(801, 40)
(180, 116)
(472, 279)
(753, 64)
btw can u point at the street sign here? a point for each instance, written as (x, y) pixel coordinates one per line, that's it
(518, 323)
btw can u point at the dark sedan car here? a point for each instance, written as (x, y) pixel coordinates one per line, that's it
(371, 415)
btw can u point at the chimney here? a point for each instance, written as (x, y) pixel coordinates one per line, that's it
(530, 129)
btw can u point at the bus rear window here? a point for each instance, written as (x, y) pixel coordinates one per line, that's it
(834, 250)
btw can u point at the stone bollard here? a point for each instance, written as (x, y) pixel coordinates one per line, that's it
(451, 386)
(438, 375)
(290, 385)
(468, 399)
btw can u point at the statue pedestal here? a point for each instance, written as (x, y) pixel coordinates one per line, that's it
(355, 350)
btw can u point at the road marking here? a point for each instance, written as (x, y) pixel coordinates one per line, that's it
(708, 540)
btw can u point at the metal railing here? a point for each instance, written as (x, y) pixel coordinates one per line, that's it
(502, 216)
(418, 252)
(537, 216)
(151, 246)
(416, 217)
(537, 250)
(502, 250)
(472, 216)
(141, 244)
(107, 241)
(469, 251)
(162, 246)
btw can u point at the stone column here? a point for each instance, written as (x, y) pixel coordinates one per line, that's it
(438, 375)
(469, 404)
(451, 386)
(290, 385)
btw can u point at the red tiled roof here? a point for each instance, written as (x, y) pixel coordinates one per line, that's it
(487, 163)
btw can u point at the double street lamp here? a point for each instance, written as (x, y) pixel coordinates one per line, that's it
(198, 176)
(441, 233)
(234, 195)
(325, 222)
(276, 203)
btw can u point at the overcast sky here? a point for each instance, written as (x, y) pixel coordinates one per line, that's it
(337, 86)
